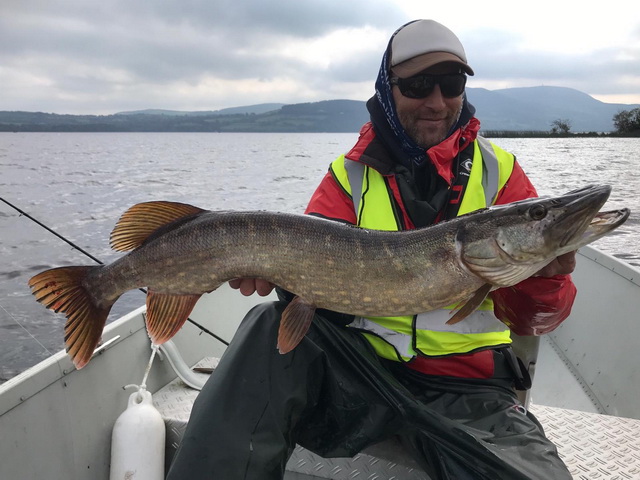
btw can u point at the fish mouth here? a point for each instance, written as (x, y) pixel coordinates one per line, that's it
(604, 222)
(581, 222)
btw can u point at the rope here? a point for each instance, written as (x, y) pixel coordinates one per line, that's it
(143, 385)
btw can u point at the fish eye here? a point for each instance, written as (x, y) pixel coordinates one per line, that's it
(538, 212)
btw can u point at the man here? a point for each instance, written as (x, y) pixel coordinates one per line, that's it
(445, 391)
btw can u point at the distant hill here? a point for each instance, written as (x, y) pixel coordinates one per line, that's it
(535, 108)
(512, 109)
(260, 108)
(327, 116)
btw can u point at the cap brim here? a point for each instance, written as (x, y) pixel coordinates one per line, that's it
(415, 65)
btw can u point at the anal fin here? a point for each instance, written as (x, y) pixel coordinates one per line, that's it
(294, 324)
(167, 313)
(470, 305)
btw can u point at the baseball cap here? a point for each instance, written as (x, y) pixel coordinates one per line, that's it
(423, 43)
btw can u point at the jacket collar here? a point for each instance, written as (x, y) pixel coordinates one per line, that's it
(370, 150)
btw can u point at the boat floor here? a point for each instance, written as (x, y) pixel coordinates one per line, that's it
(593, 445)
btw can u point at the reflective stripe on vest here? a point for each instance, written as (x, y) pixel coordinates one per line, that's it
(484, 321)
(401, 342)
(372, 187)
(490, 174)
(395, 345)
(491, 168)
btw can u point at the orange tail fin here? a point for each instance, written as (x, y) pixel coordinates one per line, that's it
(61, 290)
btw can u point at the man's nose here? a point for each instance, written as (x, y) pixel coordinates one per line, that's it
(435, 99)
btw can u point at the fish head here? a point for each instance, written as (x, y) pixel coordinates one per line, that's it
(506, 244)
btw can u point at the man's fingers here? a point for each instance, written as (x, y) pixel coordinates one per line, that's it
(249, 286)
(263, 287)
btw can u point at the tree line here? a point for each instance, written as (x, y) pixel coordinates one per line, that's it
(626, 123)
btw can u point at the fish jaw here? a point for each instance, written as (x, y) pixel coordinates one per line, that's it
(602, 224)
(509, 243)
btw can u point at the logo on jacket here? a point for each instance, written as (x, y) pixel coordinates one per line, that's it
(465, 167)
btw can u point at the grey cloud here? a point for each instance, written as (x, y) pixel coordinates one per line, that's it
(501, 56)
(241, 19)
(119, 52)
(169, 40)
(109, 49)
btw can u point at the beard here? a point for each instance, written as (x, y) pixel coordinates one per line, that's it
(428, 128)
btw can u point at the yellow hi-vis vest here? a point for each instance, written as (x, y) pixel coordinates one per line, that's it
(403, 337)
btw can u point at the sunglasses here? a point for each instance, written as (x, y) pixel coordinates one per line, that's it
(421, 86)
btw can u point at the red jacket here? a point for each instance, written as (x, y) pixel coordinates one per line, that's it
(534, 306)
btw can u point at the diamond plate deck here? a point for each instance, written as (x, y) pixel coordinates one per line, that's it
(593, 446)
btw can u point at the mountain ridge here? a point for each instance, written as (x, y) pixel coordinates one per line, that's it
(259, 108)
(513, 109)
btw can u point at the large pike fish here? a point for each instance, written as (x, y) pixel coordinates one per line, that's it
(180, 252)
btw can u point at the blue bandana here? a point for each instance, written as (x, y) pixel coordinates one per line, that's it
(385, 99)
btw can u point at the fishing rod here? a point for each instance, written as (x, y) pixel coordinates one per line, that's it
(84, 252)
(50, 230)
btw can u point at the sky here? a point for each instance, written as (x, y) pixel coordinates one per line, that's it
(108, 56)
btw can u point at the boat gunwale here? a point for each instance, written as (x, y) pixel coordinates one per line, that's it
(615, 264)
(29, 383)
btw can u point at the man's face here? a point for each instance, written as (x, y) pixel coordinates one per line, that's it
(428, 120)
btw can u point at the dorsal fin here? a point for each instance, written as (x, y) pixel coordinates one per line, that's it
(143, 219)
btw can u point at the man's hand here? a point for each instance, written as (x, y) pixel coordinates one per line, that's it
(249, 286)
(562, 265)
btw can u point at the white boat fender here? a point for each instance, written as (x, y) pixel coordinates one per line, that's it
(138, 436)
(138, 441)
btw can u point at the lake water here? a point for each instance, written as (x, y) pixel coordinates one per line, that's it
(79, 184)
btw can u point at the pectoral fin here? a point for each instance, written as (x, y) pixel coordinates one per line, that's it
(470, 305)
(294, 324)
(166, 313)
